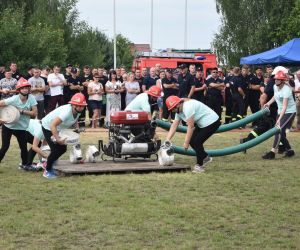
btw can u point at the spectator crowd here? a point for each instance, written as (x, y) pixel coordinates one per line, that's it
(108, 91)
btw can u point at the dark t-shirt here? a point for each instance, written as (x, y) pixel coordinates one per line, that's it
(199, 95)
(149, 81)
(185, 84)
(213, 91)
(86, 79)
(27, 76)
(2, 75)
(16, 75)
(228, 79)
(169, 91)
(140, 81)
(103, 79)
(254, 80)
(73, 81)
(269, 91)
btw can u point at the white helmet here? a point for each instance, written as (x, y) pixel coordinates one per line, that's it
(166, 154)
(280, 68)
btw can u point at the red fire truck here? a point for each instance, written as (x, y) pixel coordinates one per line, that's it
(171, 60)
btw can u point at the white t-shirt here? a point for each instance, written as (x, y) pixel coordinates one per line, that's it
(98, 87)
(56, 78)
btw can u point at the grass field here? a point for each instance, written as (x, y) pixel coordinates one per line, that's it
(240, 202)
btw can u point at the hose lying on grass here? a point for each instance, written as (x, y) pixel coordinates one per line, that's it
(222, 128)
(233, 149)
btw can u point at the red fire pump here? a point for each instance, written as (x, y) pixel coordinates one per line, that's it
(130, 135)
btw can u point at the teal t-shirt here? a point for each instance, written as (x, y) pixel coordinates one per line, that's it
(280, 94)
(140, 103)
(65, 114)
(35, 128)
(23, 122)
(203, 115)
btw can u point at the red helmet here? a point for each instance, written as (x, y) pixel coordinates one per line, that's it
(280, 75)
(22, 83)
(154, 91)
(78, 99)
(172, 101)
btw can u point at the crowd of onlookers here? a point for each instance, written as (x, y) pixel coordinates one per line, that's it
(113, 90)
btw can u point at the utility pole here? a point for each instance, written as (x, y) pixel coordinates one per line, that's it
(115, 37)
(151, 29)
(185, 26)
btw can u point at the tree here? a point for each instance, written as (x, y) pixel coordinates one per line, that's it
(249, 27)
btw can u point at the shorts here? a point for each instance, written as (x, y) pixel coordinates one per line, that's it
(93, 104)
(160, 102)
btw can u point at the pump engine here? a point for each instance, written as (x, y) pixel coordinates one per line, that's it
(130, 135)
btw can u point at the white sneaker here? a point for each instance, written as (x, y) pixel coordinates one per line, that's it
(207, 160)
(198, 169)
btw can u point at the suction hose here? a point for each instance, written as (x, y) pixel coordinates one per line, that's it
(222, 128)
(233, 149)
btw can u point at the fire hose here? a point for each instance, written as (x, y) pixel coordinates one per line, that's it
(222, 128)
(232, 149)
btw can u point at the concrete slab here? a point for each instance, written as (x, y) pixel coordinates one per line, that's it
(120, 166)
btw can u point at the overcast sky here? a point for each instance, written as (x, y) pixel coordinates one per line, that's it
(133, 21)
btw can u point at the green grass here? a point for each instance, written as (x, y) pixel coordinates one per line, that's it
(240, 202)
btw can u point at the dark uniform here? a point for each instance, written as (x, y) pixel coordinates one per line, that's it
(149, 81)
(140, 81)
(252, 97)
(214, 96)
(199, 95)
(238, 103)
(228, 99)
(16, 75)
(185, 84)
(168, 92)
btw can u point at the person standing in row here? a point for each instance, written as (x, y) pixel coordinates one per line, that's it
(8, 85)
(132, 88)
(27, 106)
(56, 82)
(215, 85)
(113, 89)
(37, 90)
(95, 91)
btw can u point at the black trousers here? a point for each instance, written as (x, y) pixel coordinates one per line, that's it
(238, 106)
(285, 123)
(252, 101)
(200, 135)
(166, 112)
(21, 138)
(215, 103)
(228, 105)
(31, 153)
(56, 149)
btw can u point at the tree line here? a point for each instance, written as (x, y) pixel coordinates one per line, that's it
(250, 27)
(48, 32)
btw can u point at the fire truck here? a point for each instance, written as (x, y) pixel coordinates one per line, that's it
(172, 59)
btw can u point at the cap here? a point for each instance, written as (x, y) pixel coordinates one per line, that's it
(74, 70)
(183, 66)
(199, 69)
(69, 65)
(169, 71)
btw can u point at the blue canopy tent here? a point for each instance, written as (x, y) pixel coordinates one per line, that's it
(287, 54)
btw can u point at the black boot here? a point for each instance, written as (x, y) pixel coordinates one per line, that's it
(269, 156)
(289, 153)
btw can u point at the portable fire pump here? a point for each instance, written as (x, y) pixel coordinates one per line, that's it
(130, 135)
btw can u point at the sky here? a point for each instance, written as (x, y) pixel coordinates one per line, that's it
(133, 20)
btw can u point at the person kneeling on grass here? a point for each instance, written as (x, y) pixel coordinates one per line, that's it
(286, 112)
(61, 118)
(27, 106)
(35, 136)
(202, 122)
